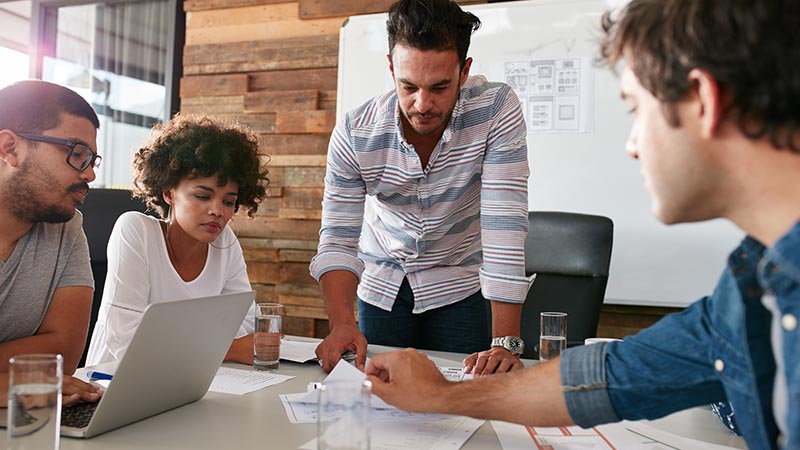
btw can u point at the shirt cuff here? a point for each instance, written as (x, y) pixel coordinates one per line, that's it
(325, 262)
(505, 288)
(584, 385)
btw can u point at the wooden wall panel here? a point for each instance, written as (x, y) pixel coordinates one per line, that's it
(322, 79)
(202, 5)
(216, 106)
(312, 9)
(295, 144)
(310, 52)
(618, 321)
(214, 85)
(272, 101)
(253, 23)
(262, 227)
(305, 122)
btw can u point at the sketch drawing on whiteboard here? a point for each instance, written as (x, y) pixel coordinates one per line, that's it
(557, 94)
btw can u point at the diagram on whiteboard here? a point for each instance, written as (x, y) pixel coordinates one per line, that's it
(557, 94)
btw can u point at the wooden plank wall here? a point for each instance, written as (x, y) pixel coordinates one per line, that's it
(272, 65)
(257, 62)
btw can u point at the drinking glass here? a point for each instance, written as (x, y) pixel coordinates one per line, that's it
(267, 337)
(552, 334)
(343, 418)
(34, 402)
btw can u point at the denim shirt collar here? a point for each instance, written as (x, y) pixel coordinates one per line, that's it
(777, 268)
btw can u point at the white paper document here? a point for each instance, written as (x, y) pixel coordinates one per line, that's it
(240, 382)
(343, 371)
(616, 436)
(300, 412)
(298, 351)
(418, 433)
(392, 429)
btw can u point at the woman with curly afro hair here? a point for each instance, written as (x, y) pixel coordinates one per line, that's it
(195, 173)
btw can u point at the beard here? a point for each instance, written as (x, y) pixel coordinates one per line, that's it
(23, 193)
(443, 116)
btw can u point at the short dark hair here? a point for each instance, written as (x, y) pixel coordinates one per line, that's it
(431, 25)
(34, 106)
(198, 146)
(746, 45)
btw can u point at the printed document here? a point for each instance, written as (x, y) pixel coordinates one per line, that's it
(392, 429)
(240, 382)
(615, 436)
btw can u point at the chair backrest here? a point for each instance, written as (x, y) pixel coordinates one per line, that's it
(571, 254)
(100, 210)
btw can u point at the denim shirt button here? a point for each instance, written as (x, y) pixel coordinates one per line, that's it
(789, 322)
(719, 365)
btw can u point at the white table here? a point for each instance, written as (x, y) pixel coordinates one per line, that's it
(257, 420)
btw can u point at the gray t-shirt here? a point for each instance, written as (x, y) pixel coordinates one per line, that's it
(49, 256)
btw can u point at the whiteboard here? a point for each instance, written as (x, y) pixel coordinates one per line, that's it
(587, 172)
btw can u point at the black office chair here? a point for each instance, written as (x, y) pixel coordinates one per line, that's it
(100, 211)
(571, 254)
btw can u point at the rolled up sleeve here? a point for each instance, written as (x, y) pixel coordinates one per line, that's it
(583, 382)
(342, 209)
(504, 205)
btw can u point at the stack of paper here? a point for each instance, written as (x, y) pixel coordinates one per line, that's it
(391, 428)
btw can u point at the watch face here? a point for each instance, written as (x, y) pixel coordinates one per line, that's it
(515, 345)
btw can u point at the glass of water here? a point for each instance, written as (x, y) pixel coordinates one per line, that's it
(552, 335)
(267, 338)
(343, 418)
(34, 402)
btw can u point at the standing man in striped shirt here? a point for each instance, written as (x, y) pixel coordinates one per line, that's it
(425, 210)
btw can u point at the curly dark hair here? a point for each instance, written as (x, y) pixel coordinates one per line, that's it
(197, 146)
(431, 25)
(746, 45)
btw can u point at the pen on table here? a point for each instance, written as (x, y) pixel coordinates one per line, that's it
(95, 375)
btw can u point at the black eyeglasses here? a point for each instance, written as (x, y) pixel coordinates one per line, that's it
(79, 156)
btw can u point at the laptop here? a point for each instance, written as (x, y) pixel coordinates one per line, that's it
(171, 361)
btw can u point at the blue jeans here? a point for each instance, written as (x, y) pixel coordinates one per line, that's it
(462, 327)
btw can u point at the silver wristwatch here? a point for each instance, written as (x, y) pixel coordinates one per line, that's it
(513, 344)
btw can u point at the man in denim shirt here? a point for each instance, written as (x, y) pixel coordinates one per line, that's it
(715, 90)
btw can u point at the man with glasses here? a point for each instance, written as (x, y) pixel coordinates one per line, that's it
(47, 160)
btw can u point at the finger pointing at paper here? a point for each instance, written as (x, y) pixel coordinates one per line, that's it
(407, 379)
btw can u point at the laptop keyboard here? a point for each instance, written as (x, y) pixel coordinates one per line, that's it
(78, 415)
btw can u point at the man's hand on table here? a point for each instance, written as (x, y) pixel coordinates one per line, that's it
(407, 379)
(494, 360)
(342, 338)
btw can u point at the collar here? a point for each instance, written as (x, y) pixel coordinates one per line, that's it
(777, 267)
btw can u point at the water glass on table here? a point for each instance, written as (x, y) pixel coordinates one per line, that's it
(552, 335)
(343, 417)
(267, 337)
(34, 402)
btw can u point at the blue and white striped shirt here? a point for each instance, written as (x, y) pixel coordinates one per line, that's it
(452, 229)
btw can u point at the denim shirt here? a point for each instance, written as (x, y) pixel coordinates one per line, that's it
(716, 348)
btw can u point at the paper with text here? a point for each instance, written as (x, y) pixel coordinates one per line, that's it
(615, 436)
(418, 432)
(240, 382)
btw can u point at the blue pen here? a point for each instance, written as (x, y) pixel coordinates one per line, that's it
(95, 375)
